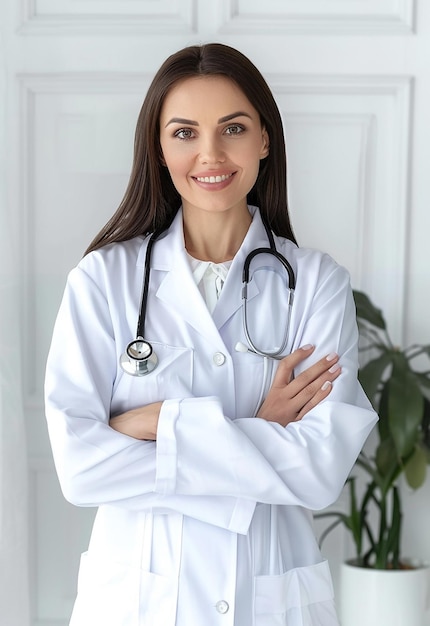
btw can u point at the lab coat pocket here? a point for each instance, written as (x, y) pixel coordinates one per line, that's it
(108, 593)
(158, 600)
(172, 378)
(300, 597)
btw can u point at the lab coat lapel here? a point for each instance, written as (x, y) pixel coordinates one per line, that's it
(177, 288)
(231, 295)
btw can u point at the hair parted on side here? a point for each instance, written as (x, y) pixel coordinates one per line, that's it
(151, 200)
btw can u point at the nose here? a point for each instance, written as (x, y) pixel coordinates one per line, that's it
(211, 150)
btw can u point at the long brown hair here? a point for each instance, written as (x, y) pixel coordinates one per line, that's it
(151, 201)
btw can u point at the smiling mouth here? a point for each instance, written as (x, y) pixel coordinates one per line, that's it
(213, 179)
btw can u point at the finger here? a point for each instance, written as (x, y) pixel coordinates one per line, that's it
(322, 393)
(289, 363)
(325, 366)
(314, 387)
(313, 393)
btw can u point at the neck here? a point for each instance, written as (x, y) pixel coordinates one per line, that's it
(215, 237)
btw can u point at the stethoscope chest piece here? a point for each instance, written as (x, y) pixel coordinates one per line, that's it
(139, 358)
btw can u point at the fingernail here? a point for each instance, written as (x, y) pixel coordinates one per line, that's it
(334, 368)
(308, 346)
(326, 385)
(331, 356)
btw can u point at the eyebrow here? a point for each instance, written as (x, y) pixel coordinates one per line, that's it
(226, 118)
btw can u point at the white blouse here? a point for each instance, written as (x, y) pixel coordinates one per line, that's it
(210, 278)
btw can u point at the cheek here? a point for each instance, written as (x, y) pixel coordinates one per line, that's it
(178, 171)
(175, 159)
(174, 164)
(253, 165)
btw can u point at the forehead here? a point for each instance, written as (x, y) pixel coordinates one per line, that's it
(204, 94)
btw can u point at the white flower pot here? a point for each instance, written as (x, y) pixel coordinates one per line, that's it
(371, 597)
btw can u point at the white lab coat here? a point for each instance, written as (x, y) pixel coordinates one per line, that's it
(210, 525)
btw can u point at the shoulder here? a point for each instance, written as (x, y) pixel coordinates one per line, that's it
(110, 265)
(312, 264)
(111, 259)
(112, 254)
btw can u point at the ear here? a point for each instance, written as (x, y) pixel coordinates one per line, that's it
(265, 144)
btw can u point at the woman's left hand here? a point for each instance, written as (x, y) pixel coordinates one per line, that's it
(289, 398)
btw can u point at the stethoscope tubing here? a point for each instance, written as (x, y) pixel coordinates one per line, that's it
(277, 255)
(276, 354)
(140, 332)
(134, 361)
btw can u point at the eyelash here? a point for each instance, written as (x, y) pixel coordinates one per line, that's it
(239, 129)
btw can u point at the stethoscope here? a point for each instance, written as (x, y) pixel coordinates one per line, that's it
(139, 358)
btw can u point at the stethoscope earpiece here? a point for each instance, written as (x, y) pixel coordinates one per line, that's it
(139, 358)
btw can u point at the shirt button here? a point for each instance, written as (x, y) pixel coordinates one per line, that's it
(222, 606)
(219, 358)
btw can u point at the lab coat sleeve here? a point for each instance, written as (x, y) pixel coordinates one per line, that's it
(95, 464)
(200, 450)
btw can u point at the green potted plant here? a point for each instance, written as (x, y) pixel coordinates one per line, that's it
(398, 386)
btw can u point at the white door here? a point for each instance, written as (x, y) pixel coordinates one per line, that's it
(353, 85)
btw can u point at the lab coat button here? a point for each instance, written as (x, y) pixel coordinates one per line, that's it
(219, 358)
(222, 606)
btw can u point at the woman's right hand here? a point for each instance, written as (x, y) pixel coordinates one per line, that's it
(140, 423)
(289, 399)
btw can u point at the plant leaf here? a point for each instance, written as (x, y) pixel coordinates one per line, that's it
(405, 408)
(425, 425)
(382, 410)
(370, 469)
(416, 468)
(355, 517)
(371, 374)
(366, 310)
(387, 460)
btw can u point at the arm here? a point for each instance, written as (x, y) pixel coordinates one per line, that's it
(288, 399)
(95, 464)
(307, 462)
(228, 465)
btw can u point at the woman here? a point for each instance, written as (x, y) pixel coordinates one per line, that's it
(205, 470)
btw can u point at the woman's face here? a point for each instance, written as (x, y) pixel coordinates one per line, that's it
(212, 142)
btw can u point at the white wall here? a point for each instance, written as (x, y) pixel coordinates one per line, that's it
(353, 85)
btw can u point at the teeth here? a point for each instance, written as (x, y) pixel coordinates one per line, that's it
(212, 179)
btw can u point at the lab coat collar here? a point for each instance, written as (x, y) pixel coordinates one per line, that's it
(178, 288)
(174, 242)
